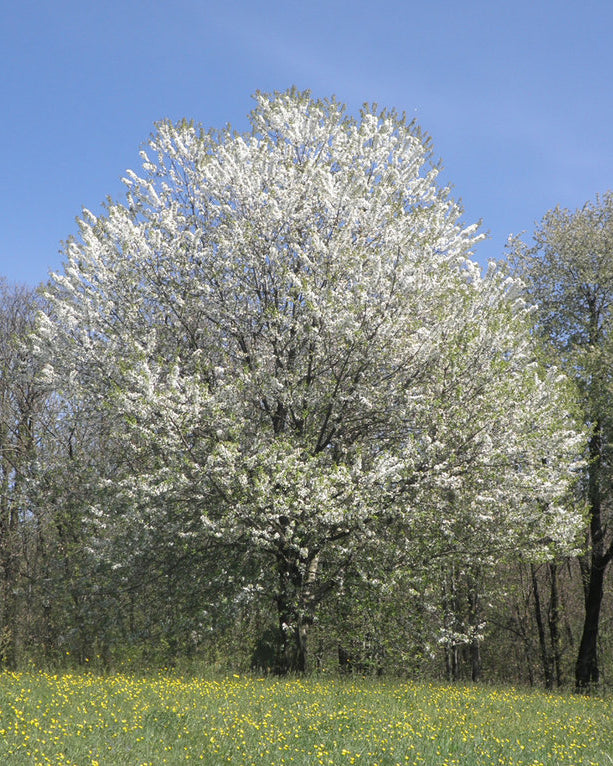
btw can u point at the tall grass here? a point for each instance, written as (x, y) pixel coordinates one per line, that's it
(89, 720)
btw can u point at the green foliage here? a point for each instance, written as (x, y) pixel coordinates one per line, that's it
(567, 273)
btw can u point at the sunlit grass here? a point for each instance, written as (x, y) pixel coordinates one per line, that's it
(85, 719)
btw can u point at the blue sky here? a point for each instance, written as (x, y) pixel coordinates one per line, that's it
(516, 95)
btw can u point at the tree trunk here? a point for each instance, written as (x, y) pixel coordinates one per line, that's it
(292, 653)
(587, 672)
(452, 662)
(474, 606)
(521, 621)
(8, 617)
(9, 568)
(475, 660)
(450, 613)
(545, 658)
(554, 624)
(295, 607)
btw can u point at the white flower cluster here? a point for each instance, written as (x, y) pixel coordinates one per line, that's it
(296, 346)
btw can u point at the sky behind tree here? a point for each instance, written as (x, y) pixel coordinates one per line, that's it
(516, 96)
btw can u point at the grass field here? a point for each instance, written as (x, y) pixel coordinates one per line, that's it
(125, 720)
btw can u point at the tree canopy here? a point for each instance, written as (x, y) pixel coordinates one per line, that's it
(296, 357)
(567, 271)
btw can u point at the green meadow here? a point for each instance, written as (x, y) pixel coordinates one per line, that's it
(79, 719)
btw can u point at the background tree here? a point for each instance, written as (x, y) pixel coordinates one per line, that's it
(568, 274)
(23, 425)
(295, 353)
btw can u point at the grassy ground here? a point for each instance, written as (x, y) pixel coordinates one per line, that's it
(122, 720)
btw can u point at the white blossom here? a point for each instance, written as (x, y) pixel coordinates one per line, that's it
(291, 336)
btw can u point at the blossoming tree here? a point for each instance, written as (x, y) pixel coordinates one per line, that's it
(299, 354)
